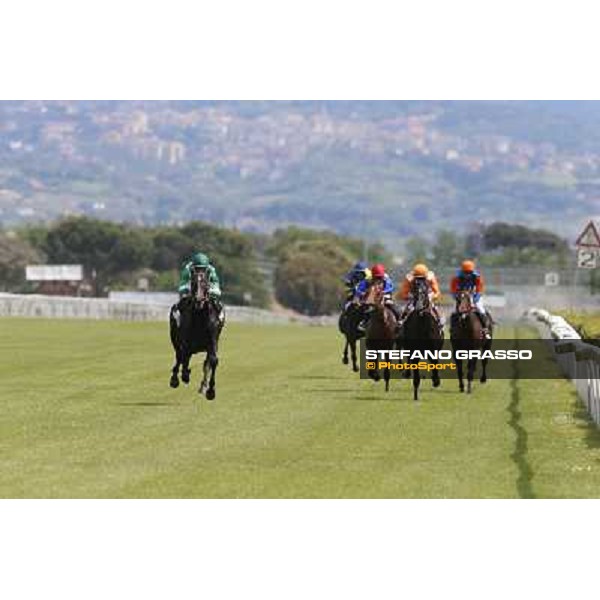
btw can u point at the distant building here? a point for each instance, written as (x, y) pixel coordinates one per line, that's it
(57, 280)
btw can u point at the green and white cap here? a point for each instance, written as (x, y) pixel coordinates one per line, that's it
(200, 260)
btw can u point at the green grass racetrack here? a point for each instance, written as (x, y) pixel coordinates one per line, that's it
(86, 411)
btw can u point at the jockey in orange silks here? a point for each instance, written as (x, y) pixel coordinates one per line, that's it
(421, 271)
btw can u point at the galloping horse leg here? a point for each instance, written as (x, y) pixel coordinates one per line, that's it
(353, 354)
(174, 382)
(175, 342)
(185, 369)
(483, 377)
(345, 355)
(213, 360)
(435, 376)
(416, 383)
(470, 374)
(386, 377)
(204, 384)
(459, 374)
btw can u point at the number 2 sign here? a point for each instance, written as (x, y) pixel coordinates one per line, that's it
(586, 258)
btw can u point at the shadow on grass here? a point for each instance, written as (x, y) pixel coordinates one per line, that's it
(145, 403)
(325, 377)
(383, 397)
(330, 390)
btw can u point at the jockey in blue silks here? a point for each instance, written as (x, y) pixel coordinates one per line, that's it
(359, 272)
(378, 274)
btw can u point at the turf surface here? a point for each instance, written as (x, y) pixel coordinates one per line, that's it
(87, 412)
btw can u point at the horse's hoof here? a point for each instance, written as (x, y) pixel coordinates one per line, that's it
(174, 382)
(355, 368)
(436, 383)
(210, 394)
(461, 390)
(483, 380)
(185, 377)
(345, 360)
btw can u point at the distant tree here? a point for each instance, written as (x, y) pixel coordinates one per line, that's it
(15, 254)
(283, 239)
(104, 247)
(503, 235)
(309, 284)
(35, 235)
(417, 250)
(448, 249)
(230, 251)
(169, 247)
(512, 245)
(308, 277)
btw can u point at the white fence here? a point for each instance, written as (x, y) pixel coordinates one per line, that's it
(579, 361)
(66, 307)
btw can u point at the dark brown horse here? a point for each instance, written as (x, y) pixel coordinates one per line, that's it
(198, 330)
(381, 328)
(466, 333)
(348, 326)
(421, 332)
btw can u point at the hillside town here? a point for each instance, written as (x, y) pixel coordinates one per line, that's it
(101, 158)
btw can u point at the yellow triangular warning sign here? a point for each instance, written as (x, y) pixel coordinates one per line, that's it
(589, 237)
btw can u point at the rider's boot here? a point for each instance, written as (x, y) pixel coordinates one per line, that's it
(485, 332)
(361, 326)
(220, 310)
(176, 314)
(176, 311)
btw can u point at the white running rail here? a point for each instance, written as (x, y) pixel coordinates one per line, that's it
(579, 361)
(34, 305)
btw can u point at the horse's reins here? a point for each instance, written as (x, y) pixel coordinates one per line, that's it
(201, 286)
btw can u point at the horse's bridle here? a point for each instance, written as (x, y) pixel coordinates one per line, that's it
(421, 303)
(463, 297)
(199, 286)
(375, 294)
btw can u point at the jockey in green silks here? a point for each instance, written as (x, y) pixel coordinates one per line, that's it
(200, 260)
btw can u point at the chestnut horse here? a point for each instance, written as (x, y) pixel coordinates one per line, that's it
(466, 334)
(381, 328)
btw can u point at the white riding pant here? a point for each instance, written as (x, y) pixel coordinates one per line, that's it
(479, 306)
